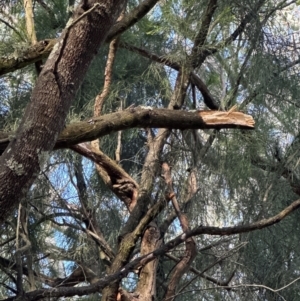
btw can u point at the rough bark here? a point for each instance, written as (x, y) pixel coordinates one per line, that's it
(51, 98)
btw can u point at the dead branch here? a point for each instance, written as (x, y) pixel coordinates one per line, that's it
(93, 128)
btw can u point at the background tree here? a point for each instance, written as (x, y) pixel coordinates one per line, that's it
(144, 150)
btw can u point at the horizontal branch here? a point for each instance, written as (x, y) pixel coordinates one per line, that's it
(144, 117)
(97, 287)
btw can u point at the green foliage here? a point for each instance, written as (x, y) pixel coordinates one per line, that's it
(242, 177)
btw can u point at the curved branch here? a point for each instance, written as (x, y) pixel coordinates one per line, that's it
(120, 182)
(141, 261)
(130, 19)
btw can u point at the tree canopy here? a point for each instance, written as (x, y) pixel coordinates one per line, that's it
(149, 150)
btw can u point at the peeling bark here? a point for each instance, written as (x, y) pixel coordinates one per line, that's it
(146, 287)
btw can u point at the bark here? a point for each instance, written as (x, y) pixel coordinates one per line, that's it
(30, 21)
(126, 246)
(51, 98)
(100, 98)
(144, 200)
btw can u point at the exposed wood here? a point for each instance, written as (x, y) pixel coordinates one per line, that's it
(146, 287)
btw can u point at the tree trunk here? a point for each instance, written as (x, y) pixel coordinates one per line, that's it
(51, 98)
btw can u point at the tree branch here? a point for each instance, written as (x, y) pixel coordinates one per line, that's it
(12, 63)
(195, 79)
(130, 19)
(121, 273)
(190, 245)
(202, 34)
(84, 131)
(118, 180)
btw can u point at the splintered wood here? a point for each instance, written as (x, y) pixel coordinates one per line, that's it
(230, 117)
